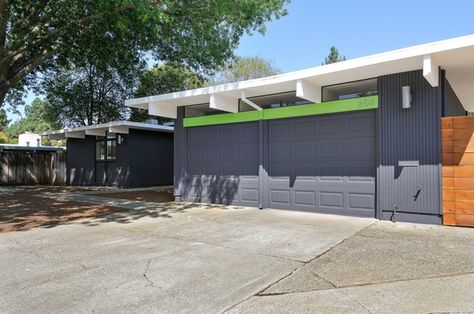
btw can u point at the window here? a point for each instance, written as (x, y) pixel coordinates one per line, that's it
(273, 101)
(100, 150)
(199, 111)
(350, 90)
(111, 149)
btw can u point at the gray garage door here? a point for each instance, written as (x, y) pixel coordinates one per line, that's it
(323, 164)
(223, 164)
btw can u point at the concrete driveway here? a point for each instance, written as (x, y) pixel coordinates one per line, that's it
(188, 258)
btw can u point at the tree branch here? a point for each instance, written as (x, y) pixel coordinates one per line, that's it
(15, 55)
(27, 68)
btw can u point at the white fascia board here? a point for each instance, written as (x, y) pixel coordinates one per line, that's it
(119, 129)
(430, 70)
(75, 134)
(224, 103)
(308, 90)
(56, 136)
(163, 110)
(95, 132)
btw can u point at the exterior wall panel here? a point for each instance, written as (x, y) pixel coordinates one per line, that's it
(452, 104)
(81, 161)
(150, 156)
(409, 135)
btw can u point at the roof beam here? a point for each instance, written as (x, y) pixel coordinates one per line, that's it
(249, 102)
(95, 132)
(75, 134)
(430, 71)
(118, 129)
(161, 109)
(224, 103)
(57, 136)
(308, 90)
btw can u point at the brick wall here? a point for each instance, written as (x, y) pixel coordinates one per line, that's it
(458, 171)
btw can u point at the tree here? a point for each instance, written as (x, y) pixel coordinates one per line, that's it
(164, 79)
(3, 119)
(333, 56)
(245, 68)
(36, 36)
(91, 93)
(37, 120)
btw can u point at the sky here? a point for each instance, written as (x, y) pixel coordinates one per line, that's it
(356, 27)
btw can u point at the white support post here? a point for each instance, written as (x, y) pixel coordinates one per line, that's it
(96, 132)
(163, 110)
(76, 134)
(118, 129)
(249, 102)
(430, 71)
(308, 90)
(224, 103)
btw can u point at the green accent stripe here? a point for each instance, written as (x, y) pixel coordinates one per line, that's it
(361, 103)
(354, 104)
(247, 116)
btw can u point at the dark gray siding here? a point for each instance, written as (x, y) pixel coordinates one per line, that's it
(409, 134)
(323, 163)
(180, 155)
(144, 158)
(452, 104)
(222, 164)
(150, 156)
(81, 161)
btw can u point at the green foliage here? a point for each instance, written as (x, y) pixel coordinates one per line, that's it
(4, 139)
(164, 79)
(89, 94)
(245, 68)
(3, 119)
(38, 36)
(333, 56)
(37, 119)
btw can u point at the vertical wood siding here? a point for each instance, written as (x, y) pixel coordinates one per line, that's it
(30, 168)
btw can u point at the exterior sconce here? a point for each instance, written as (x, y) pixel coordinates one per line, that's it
(406, 97)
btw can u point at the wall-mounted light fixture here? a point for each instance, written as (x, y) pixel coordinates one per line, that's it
(406, 97)
(119, 139)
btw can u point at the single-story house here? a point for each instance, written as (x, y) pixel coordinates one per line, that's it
(360, 137)
(122, 153)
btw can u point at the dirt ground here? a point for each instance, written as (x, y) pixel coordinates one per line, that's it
(154, 196)
(22, 209)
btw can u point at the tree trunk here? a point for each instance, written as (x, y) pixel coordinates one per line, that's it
(3, 94)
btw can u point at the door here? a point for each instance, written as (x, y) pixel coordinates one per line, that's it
(222, 163)
(323, 164)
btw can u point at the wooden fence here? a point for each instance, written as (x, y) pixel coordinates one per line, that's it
(458, 171)
(31, 168)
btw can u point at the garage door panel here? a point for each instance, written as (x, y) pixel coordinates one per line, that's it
(360, 124)
(330, 171)
(330, 126)
(305, 198)
(361, 200)
(305, 128)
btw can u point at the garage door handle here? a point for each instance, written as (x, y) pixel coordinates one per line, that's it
(415, 197)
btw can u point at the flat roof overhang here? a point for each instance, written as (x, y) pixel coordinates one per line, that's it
(116, 127)
(456, 56)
